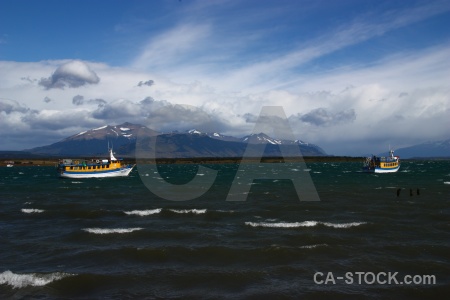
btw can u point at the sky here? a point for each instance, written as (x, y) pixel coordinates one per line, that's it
(353, 76)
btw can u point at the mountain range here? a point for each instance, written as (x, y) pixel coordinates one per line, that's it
(429, 149)
(192, 143)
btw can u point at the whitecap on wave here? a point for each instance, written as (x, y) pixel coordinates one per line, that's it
(302, 224)
(32, 279)
(144, 212)
(32, 210)
(188, 211)
(446, 182)
(282, 224)
(313, 246)
(111, 230)
(343, 225)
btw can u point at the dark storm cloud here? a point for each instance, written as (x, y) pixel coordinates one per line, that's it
(147, 83)
(10, 106)
(159, 115)
(323, 117)
(79, 100)
(28, 79)
(72, 74)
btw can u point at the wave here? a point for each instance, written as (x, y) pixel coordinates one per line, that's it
(446, 182)
(282, 224)
(144, 212)
(188, 211)
(313, 246)
(32, 279)
(302, 224)
(111, 230)
(32, 210)
(343, 225)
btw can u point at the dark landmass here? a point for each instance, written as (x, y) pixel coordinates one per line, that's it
(18, 155)
(432, 150)
(52, 161)
(429, 158)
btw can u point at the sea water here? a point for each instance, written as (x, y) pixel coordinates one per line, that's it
(112, 238)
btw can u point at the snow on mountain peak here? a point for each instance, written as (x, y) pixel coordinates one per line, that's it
(95, 129)
(194, 131)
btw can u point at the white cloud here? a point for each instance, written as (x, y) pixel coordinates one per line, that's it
(205, 77)
(345, 111)
(171, 48)
(71, 74)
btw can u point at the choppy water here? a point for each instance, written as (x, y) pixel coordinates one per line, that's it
(113, 239)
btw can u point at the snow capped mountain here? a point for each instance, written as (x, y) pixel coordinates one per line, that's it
(192, 143)
(125, 130)
(195, 131)
(260, 138)
(214, 135)
(95, 141)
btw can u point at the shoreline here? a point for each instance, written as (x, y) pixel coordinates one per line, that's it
(51, 161)
(193, 160)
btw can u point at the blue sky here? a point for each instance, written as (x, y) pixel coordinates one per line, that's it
(352, 76)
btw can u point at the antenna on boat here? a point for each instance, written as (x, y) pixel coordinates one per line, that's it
(110, 150)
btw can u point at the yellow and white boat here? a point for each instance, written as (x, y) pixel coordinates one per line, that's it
(98, 168)
(377, 164)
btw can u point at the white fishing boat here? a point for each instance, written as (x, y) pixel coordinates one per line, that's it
(376, 164)
(94, 168)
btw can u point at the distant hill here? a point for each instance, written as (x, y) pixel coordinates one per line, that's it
(18, 155)
(428, 149)
(192, 143)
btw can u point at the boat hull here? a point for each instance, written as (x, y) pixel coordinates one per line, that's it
(381, 170)
(120, 172)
